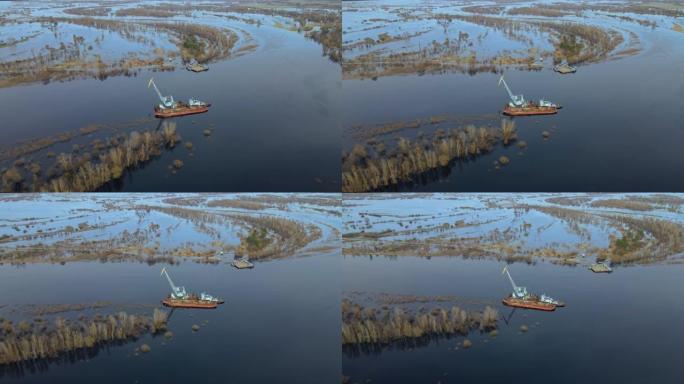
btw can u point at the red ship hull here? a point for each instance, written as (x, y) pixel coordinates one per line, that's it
(180, 303)
(529, 304)
(180, 111)
(529, 111)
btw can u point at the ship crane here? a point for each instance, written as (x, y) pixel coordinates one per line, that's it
(176, 292)
(518, 292)
(516, 100)
(166, 101)
(180, 293)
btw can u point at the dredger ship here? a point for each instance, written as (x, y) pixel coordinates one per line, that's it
(518, 106)
(179, 298)
(520, 298)
(168, 107)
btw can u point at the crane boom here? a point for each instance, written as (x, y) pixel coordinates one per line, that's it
(166, 101)
(177, 292)
(505, 270)
(519, 292)
(501, 80)
(163, 272)
(517, 100)
(161, 98)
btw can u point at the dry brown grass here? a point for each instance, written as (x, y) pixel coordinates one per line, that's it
(508, 131)
(537, 10)
(484, 9)
(644, 240)
(78, 174)
(382, 326)
(51, 309)
(237, 203)
(641, 239)
(146, 11)
(71, 60)
(575, 42)
(363, 170)
(622, 204)
(319, 21)
(276, 236)
(89, 11)
(35, 343)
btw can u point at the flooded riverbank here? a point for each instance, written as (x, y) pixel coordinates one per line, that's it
(73, 284)
(587, 146)
(437, 259)
(631, 311)
(579, 230)
(247, 78)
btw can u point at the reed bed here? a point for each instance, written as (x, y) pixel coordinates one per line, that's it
(571, 201)
(89, 11)
(383, 326)
(141, 245)
(80, 173)
(211, 43)
(538, 10)
(327, 19)
(575, 42)
(75, 59)
(508, 131)
(85, 236)
(669, 202)
(272, 236)
(484, 9)
(237, 203)
(436, 58)
(283, 201)
(643, 8)
(42, 310)
(318, 21)
(579, 43)
(31, 146)
(30, 342)
(365, 170)
(147, 11)
(639, 237)
(644, 240)
(329, 35)
(384, 38)
(622, 204)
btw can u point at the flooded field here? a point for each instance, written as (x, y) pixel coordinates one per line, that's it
(75, 76)
(421, 104)
(423, 284)
(81, 276)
